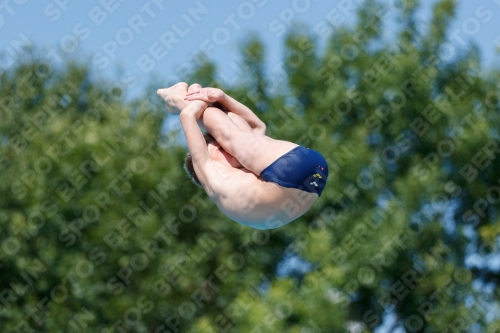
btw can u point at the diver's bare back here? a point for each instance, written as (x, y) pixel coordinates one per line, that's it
(245, 198)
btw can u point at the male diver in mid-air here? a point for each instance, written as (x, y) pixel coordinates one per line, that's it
(255, 180)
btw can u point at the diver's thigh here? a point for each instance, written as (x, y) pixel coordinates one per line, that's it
(256, 151)
(240, 122)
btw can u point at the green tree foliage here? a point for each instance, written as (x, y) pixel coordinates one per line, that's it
(101, 231)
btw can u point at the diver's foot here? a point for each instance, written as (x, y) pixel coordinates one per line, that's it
(174, 97)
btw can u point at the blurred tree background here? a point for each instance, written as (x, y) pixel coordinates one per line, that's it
(101, 231)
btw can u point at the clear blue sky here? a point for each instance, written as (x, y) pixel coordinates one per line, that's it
(145, 38)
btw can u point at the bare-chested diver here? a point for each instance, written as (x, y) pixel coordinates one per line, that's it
(254, 180)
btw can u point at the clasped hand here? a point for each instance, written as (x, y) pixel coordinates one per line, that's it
(177, 97)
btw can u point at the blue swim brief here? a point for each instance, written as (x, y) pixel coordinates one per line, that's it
(301, 168)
